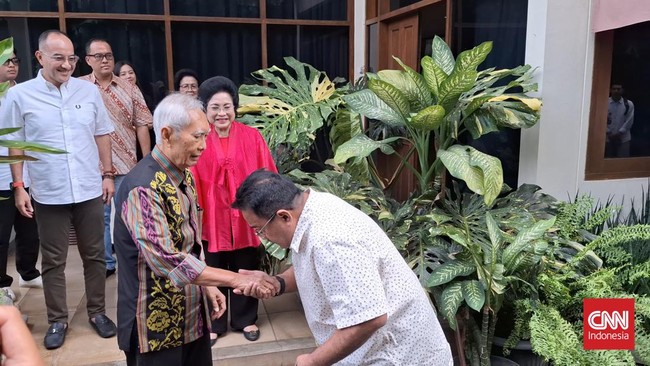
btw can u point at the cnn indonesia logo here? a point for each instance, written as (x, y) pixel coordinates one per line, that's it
(608, 324)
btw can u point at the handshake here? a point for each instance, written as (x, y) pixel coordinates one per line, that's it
(257, 284)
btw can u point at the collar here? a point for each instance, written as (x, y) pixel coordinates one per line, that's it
(49, 85)
(93, 79)
(177, 176)
(303, 222)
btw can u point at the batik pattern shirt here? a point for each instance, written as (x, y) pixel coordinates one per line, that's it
(158, 246)
(128, 110)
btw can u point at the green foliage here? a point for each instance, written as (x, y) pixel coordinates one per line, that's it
(436, 106)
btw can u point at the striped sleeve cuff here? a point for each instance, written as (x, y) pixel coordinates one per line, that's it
(185, 274)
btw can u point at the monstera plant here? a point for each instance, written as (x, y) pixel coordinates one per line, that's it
(6, 50)
(448, 98)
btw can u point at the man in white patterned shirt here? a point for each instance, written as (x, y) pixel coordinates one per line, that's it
(362, 302)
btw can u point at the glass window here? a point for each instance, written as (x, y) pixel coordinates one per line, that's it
(307, 9)
(221, 8)
(211, 49)
(373, 45)
(141, 42)
(325, 48)
(25, 33)
(396, 4)
(32, 5)
(115, 6)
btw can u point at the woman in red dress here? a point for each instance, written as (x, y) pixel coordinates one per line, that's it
(233, 151)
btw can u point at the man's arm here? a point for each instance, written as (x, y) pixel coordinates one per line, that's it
(143, 121)
(342, 343)
(104, 147)
(21, 197)
(629, 119)
(16, 342)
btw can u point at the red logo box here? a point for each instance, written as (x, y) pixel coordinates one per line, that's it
(608, 324)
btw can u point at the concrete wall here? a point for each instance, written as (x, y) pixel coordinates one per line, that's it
(359, 37)
(553, 154)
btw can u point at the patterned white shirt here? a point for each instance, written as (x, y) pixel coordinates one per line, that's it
(66, 118)
(348, 272)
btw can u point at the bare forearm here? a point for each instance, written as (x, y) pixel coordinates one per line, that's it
(211, 276)
(17, 168)
(104, 148)
(143, 138)
(345, 341)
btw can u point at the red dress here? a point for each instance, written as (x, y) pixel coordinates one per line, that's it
(218, 174)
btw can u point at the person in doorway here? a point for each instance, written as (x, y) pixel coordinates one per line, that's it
(131, 118)
(620, 118)
(363, 303)
(66, 189)
(10, 219)
(233, 151)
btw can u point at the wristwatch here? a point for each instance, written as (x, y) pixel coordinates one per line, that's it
(14, 185)
(282, 285)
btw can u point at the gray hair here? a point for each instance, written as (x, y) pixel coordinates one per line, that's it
(174, 112)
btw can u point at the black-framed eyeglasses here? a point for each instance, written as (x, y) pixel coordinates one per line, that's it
(260, 231)
(15, 61)
(100, 56)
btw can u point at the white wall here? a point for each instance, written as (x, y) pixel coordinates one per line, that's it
(359, 37)
(553, 155)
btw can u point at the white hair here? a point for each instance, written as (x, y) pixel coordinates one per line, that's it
(174, 112)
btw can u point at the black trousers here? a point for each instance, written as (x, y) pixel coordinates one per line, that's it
(27, 243)
(197, 353)
(242, 309)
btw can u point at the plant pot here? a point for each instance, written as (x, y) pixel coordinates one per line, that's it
(522, 353)
(501, 361)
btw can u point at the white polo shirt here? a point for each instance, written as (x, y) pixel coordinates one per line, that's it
(66, 118)
(348, 272)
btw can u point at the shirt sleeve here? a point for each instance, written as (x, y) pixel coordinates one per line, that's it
(141, 114)
(103, 124)
(11, 117)
(144, 217)
(349, 276)
(629, 119)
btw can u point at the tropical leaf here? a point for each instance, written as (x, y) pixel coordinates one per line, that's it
(442, 56)
(369, 105)
(428, 119)
(361, 146)
(452, 297)
(6, 131)
(448, 271)
(456, 84)
(346, 126)
(470, 59)
(496, 238)
(480, 122)
(30, 146)
(15, 159)
(430, 75)
(421, 91)
(481, 172)
(512, 114)
(474, 294)
(392, 96)
(7, 49)
(524, 240)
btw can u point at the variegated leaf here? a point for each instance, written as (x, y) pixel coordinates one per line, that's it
(452, 297)
(7, 47)
(322, 90)
(361, 146)
(474, 294)
(421, 91)
(442, 56)
(429, 118)
(481, 172)
(523, 240)
(31, 146)
(470, 59)
(448, 271)
(369, 105)
(392, 96)
(456, 84)
(430, 76)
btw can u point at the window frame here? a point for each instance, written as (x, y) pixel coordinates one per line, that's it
(598, 167)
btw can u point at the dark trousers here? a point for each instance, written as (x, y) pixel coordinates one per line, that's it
(242, 309)
(26, 240)
(197, 353)
(54, 222)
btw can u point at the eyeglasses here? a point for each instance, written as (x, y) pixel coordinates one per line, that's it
(226, 108)
(260, 231)
(100, 56)
(15, 61)
(62, 59)
(189, 87)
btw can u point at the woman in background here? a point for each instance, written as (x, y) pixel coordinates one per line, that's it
(124, 70)
(186, 81)
(233, 151)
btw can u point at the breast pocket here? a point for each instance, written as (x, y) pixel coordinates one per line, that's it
(83, 114)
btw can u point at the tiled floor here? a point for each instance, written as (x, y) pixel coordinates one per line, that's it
(284, 331)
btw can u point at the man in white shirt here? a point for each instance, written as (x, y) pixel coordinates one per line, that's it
(10, 218)
(363, 304)
(66, 113)
(620, 117)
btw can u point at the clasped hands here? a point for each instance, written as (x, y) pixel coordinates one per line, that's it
(256, 283)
